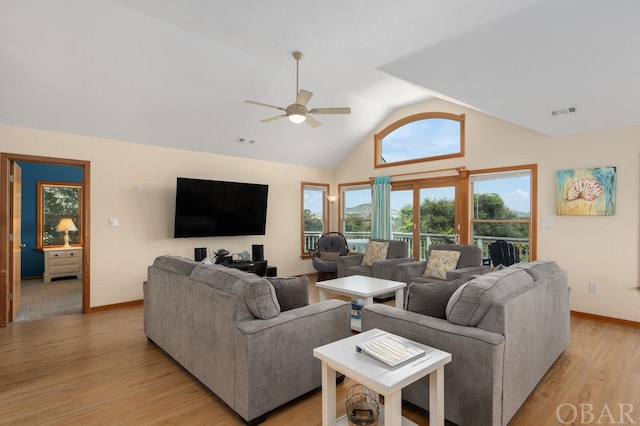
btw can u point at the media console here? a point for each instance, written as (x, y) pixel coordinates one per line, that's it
(258, 267)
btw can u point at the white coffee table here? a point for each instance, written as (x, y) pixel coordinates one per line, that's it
(341, 356)
(361, 287)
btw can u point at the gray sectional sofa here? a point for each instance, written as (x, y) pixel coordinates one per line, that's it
(248, 339)
(504, 330)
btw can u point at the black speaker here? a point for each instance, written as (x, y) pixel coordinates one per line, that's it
(257, 252)
(260, 268)
(199, 253)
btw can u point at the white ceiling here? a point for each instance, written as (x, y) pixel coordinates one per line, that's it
(176, 73)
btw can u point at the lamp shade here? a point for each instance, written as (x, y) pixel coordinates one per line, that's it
(66, 225)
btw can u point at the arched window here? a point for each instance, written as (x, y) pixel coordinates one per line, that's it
(421, 137)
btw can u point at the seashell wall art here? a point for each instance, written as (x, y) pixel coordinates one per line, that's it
(590, 192)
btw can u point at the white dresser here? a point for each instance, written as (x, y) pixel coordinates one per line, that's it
(62, 262)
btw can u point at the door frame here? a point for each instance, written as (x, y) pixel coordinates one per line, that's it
(461, 184)
(5, 162)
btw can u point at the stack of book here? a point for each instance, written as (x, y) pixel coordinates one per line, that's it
(390, 350)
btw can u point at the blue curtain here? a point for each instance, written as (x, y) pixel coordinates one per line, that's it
(381, 208)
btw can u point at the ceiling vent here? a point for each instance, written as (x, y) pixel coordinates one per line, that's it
(243, 141)
(558, 112)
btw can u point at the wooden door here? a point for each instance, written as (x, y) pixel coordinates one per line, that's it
(15, 230)
(431, 210)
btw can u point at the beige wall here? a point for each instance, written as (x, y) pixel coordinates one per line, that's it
(601, 249)
(120, 255)
(605, 250)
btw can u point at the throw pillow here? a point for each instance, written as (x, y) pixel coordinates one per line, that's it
(291, 292)
(440, 262)
(376, 250)
(430, 298)
(329, 256)
(260, 297)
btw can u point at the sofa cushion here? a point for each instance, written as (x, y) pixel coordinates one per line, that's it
(258, 294)
(539, 268)
(430, 298)
(176, 264)
(376, 250)
(440, 262)
(471, 301)
(329, 256)
(291, 292)
(260, 297)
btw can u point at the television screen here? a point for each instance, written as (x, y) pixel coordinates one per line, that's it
(211, 208)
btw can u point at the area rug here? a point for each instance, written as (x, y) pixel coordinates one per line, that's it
(41, 300)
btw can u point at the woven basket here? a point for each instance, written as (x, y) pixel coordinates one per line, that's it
(362, 406)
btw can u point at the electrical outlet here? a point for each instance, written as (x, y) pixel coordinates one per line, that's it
(593, 287)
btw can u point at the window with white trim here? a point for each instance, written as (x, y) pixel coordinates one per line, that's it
(315, 214)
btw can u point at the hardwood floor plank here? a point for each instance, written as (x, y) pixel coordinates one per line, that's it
(99, 369)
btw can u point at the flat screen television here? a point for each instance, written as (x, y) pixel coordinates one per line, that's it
(212, 208)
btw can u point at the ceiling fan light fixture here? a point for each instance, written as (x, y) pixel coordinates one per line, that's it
(297, 118)
(297, 112)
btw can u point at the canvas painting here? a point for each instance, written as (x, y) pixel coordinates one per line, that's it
(590, 192)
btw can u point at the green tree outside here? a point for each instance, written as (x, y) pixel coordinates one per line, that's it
(312, 223)
(437, 217)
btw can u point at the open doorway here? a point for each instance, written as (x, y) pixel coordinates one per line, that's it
(9, 268)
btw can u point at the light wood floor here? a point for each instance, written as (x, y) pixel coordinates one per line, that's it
(99, 368)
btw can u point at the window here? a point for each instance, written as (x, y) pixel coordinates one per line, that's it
(504, 208)
(315, 218)
(425, 212)
(421, 137)
(356, 215)
(57, 201)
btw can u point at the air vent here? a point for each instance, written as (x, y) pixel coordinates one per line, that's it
(559, 112)
(241, 140)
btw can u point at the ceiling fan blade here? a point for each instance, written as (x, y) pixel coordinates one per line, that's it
(269, 120)
(266, 105)
(303, 97)
(312, 121)
(346, 110)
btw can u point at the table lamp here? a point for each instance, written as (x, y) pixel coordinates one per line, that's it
(66, 225)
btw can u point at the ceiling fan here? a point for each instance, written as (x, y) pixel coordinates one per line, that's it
(298, 112)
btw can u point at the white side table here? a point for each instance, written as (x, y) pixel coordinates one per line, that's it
(341, 356)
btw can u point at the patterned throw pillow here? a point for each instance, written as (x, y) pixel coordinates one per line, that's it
(440, 262)
(376, 250)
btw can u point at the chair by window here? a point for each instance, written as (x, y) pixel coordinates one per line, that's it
(380, 268)
(324, 256)
(436, 269)
(370, 265)
(447, 267)
(503, 253)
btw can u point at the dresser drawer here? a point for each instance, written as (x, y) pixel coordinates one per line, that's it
(70, 268)
(65, 261)
(63, 254)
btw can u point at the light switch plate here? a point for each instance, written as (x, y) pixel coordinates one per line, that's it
(114, 222)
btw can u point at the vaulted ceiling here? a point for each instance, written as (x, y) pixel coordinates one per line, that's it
(176, 73)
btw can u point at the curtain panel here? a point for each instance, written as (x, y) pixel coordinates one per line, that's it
(381, 208)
